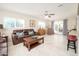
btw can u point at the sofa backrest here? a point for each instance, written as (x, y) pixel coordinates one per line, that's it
(23, 30)
(19, 30)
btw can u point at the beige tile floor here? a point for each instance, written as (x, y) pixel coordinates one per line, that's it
(54, 45)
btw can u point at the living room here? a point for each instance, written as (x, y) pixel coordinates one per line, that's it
(51, 21)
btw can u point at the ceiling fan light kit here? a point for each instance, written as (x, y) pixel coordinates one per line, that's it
(48, 15)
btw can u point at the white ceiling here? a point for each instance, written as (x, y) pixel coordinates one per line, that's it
(38, 9)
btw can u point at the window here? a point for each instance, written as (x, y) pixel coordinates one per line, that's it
(41, 24)
(13, 22)
(20, 23)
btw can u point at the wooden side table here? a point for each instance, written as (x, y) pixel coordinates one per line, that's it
(6, 41)
(6, 37)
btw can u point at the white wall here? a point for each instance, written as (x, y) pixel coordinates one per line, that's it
(72, 23)
(78, 32)
(78, 25)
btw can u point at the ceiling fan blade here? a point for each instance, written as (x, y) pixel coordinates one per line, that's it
(51, 14)
(45, 14)
(60, 5)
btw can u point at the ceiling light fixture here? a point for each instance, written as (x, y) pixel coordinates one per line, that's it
(48, 15)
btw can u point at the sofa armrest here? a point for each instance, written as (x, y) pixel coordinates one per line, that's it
(36, 33)
(14, 36)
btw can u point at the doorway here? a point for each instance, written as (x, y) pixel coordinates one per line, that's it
(58, 27)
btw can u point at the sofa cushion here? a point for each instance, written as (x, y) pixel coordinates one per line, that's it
(25, 33)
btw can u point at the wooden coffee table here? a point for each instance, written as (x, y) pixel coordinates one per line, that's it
(30, 42)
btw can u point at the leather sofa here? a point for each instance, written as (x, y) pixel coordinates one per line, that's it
(24, 32)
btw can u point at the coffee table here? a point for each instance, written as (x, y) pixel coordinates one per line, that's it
(30, 42)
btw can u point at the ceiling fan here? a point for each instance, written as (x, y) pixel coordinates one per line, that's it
(60, 5)
(48, 14)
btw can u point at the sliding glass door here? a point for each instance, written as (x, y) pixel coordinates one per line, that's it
(58, 27)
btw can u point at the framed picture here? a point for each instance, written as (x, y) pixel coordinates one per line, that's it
(32, 23)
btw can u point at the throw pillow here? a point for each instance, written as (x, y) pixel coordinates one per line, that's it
(20, 34)
(31, 33)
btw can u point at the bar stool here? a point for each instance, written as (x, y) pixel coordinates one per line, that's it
(72, 42)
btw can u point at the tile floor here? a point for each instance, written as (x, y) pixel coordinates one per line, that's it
(54, 45)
